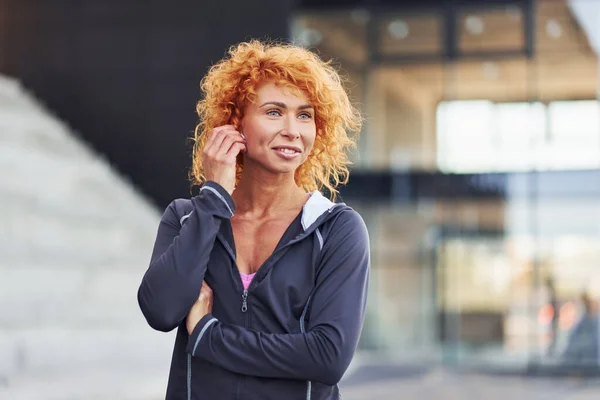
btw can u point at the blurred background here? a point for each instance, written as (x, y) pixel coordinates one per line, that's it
(477, 173)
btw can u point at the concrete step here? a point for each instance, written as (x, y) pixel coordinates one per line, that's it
(66, 350)
(75, 239)
(114, 382)
(65, 180)
(70, 297)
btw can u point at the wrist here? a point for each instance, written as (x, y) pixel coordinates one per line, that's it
(228, 187)
(202, 329)
(223, 194)
(218, 185)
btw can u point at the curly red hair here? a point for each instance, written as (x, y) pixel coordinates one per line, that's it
(231, 84)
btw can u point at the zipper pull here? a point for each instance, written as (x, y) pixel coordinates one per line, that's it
(245, 301)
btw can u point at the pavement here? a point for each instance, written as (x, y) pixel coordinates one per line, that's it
(379, 382)
(365, 382)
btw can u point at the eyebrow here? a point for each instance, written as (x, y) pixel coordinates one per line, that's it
(282, 105)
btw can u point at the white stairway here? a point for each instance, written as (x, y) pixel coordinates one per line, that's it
(75, 240)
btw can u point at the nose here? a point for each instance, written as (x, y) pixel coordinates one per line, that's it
(289, 134)
(291, 130)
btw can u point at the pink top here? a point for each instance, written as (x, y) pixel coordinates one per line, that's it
(246, 279)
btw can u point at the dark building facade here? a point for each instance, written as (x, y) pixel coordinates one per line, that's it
(125, 74)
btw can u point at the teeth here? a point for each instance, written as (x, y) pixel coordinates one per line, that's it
(287, 151)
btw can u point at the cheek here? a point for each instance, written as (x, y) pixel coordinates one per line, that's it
(309, 141)
(249, 132)
(257, 132)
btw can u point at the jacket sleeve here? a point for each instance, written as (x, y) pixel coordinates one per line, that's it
(181, 252)
(324, 350)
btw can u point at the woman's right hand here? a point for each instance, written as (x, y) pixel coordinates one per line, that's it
(201, 307)
(220, 154)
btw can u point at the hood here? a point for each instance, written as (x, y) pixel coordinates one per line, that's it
(317, 210)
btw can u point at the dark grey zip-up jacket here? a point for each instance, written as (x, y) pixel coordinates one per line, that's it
(292, 334)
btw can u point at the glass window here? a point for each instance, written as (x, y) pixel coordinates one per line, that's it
(518, 136)
(557, 31)
(493, 30)
(470, 271)
(337, 35)
(456, 127)
(411, 34)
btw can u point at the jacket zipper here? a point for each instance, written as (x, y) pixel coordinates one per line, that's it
(245, 301)
(245, 293)
(244, 310)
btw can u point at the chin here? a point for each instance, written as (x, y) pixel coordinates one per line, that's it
(278, 167)
(283, 170)
(282, 167)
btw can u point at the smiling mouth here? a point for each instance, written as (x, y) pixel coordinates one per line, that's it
(287, 150)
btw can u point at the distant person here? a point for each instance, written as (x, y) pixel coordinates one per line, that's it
(582, 346)
(264, 277)
(553, 301)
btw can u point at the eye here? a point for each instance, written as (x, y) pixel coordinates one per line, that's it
(274, 112)
(305, 115)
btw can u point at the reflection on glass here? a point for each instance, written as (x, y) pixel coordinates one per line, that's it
(557, 30)
(518, 136)
(494, 30)
(516, 286)
(340, 36)
(503, 280)
(407, 35)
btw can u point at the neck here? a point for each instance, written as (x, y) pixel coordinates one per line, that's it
(262, 194)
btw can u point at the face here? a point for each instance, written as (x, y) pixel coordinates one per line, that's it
(279, 128)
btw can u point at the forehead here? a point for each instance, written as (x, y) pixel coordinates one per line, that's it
(272, 92)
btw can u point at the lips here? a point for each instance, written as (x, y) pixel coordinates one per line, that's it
(287, 153)
(288, 149)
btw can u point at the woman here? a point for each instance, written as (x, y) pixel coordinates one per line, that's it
(583, 345)
(264, 277)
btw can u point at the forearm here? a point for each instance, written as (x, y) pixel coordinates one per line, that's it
(323, 354)
(172, 282)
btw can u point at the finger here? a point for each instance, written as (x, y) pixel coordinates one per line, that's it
(220, 139)
(212, 135)
(216, 140)
(202, 290)
(205, 288)
(234, 150)
(229, 141)
(217, 137)
(203, 298)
